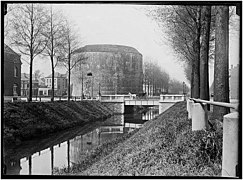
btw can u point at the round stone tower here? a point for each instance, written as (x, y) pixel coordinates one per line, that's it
(108, 70)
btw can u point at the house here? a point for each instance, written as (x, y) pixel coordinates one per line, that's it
(25, 78)
(12, 72)
(60, 83)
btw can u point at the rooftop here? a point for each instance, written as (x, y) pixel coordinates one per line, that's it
(57, 75)
(7, 49)
(107, 48)
(15, 58)
(26, 77)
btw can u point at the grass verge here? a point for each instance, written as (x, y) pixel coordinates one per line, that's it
(24, 121)
(165, 146)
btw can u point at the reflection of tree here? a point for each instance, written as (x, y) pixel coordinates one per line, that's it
(13, 166)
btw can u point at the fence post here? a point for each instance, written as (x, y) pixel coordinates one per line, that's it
(189, 108)
(199, 116)
(172, 98)
(230, 144)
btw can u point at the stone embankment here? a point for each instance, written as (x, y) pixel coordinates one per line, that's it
(165, 146)
(24, 121)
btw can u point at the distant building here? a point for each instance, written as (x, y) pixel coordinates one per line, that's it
(44, 91)
(234, 81)
(60, 83)
(25, 84)
(113, 69)
(12, 72)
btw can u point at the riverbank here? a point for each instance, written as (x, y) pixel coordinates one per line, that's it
(24, 121)
(165, 146)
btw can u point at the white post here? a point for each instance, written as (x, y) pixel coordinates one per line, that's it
(172, 98)
(230, 144)
(189, 108)
(199, 116)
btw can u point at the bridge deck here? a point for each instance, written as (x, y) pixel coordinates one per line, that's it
(142, 102)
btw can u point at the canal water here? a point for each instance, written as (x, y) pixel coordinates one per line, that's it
(40, 157)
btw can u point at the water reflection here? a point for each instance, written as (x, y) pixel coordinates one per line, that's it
(72, 151)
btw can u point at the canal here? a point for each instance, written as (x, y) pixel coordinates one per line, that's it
(64, 149)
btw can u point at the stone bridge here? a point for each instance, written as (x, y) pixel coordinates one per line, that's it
(118, 102)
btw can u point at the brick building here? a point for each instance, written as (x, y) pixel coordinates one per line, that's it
(25, 79)
(12, 72)
(60, 84)
(111, 69)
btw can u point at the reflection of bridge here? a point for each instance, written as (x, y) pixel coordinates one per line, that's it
(111, 129)
(118, 102)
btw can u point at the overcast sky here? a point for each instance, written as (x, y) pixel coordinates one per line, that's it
(124, 25)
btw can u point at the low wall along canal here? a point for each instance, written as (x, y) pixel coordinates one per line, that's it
(42, 156)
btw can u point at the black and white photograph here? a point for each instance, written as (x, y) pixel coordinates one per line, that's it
(121, 89)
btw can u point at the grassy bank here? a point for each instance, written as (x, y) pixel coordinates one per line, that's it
(165, 146)
(24, 121)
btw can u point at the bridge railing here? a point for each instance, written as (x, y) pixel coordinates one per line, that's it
(198, 112)
(171, 97)
(56, 98)
(117, 97)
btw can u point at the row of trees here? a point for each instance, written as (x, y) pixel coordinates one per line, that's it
(177, 87)
(156, 80)
(197, 34)
(40, 30)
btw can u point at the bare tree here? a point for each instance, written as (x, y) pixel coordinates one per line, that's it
(54, 32)
(38, 74)
(7, 26)
(69, 45)
(188, 32)
(183, 28)
(156, 80)
(176, 87)
(27, 23)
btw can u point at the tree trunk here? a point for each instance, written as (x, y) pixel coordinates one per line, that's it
(221, 69)
(148, 89)
(196, 70)
(205, 33)
(31, 54)
(30, 79)
(69, 80)
(192, 80)
(52, 82)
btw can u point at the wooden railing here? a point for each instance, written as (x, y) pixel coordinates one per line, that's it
(222, 104)
(198, 112)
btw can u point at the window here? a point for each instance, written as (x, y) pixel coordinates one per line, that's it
(15, 71)
(15, 90)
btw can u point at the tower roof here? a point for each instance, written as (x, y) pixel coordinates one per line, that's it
(107, 48)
